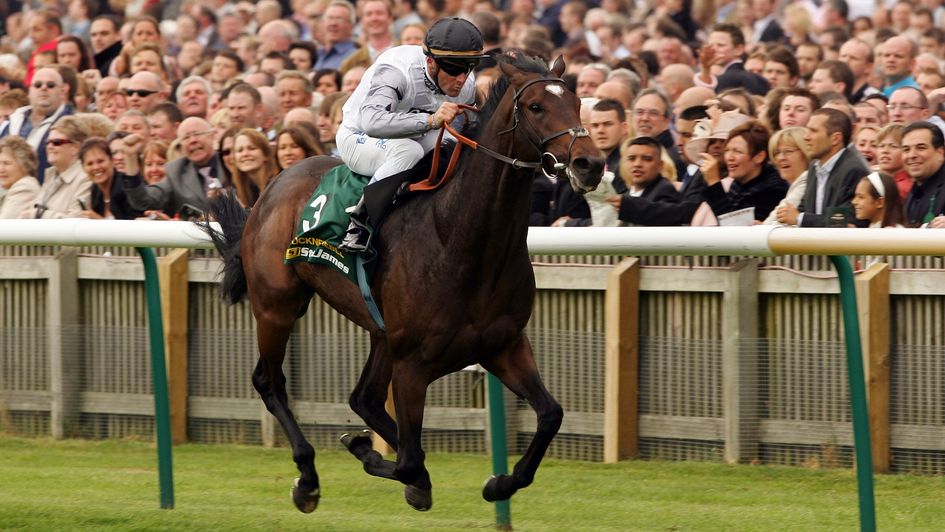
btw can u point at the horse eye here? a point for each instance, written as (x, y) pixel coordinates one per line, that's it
(535, 107)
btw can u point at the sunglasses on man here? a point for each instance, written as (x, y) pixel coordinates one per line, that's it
(457, 67)
(143, 93)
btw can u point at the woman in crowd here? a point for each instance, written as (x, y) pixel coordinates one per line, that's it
(155, 157)
(66, 189)
(326, 135)
(877, 199)
(791, 158)
(255, 165)
(295, 143)
(115, 106)
(413, 34)
(108, 197)
(865, 142)
(327, 81)
(303, 55)
(146, 57)
(225, 149)
(18, 186)
(72, 51)
(756, 182)
(889, 157)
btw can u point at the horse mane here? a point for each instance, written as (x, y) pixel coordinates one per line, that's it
(518, 60)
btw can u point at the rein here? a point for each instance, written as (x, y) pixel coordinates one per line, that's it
(430, 183)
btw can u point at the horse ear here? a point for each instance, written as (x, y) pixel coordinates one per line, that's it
(557, 68)
(507, 69)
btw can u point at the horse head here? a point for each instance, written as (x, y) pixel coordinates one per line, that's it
(546, 124)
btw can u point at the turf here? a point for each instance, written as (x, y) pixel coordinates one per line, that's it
(112, 485)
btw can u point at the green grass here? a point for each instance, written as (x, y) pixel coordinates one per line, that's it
(112, 485)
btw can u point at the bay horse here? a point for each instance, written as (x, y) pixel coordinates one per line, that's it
(454, 282)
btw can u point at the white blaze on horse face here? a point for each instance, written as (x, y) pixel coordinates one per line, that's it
(557, 90)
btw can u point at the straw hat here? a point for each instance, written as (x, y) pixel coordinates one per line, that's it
(703, 132)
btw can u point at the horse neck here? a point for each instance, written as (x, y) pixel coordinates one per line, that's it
(489, 198)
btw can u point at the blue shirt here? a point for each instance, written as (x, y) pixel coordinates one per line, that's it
(334, 55)
(907, 81)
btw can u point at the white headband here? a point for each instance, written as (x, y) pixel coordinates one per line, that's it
(877, 183)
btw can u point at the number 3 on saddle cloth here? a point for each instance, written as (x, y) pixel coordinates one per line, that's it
(324, 220)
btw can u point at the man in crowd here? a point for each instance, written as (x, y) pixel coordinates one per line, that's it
(832, 176)
(832, 76)
(644, 179)
(163, 120)
(47, 95)
(898, 59)
(188, 178)
(858, 55)
(923, 152)
(145, 89)
(724, 52)
(105, 36)
(244, 103)
(193, 96)
(338, 25)
(652, 112)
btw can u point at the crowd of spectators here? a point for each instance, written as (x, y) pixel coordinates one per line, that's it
(717, 112)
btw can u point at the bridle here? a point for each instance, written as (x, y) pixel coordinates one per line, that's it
(576, 132)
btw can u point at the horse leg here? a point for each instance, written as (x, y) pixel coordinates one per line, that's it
(517, 370)
(410, 392)
(269, 381)
(367, 400)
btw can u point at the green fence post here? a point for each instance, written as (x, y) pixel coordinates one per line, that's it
(861, 420)
(162, 417)
(500, 448)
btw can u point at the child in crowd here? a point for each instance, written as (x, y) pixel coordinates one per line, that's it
(877, 199)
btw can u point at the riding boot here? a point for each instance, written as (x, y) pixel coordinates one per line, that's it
(357, 235)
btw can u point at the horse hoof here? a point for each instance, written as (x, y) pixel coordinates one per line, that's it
(492, 491)
(351, 441)
(419, 498)
(306, 502)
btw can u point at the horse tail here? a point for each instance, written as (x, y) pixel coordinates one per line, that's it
(232, 217)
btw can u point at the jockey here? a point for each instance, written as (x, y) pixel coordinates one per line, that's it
(391, 119)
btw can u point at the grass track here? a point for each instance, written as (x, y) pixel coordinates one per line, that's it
(112, 485)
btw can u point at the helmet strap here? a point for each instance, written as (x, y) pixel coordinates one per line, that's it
(434, 77)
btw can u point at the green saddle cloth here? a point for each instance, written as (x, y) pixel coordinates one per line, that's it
(323, 223)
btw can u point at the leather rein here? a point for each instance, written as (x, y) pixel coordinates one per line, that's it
(430, 183)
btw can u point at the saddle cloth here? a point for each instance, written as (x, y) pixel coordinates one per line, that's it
(324, 220)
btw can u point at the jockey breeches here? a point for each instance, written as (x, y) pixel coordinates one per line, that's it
(382, 158)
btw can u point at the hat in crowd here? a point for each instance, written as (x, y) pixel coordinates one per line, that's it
(703, 131)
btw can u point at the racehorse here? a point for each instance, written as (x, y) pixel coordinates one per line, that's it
(454, 282)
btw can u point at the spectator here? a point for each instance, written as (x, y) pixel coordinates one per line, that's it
(255, 165)
(376, 22)
(867, 115)
(327, 81)
(226, 65)
(865, 142)
(898, 59)
(134, 121)
(591, 77)
(756, 184)
(44, 30)
(908, 105)
(923, 152)
(116, 148)
(809, 55)
(351, 79)
(193, 96)
(163, 121)
(612, 90)
(147, 57)
(302, 115)
(106, 42)
(244, 105)
(188, 178)
(675, 79)
(295, 143)
(641, 167)
(876, 200)
(225, 151)
(723, 52)
(858, 56)
(832, 76)
(47, 95)
(11, 101)
(115, 106)
(651, 117)
(767, 28)
(889, 157)
(338, 24)
(303, 55)
(155, 157)
(18, 186)
(145, 89)
(781, 69)
(684, 125)
(108, 199)
(66, 187)
(832, 176)
(796, 108)
(791, 158)
(412, 33)
(326, 130)
(72, 51)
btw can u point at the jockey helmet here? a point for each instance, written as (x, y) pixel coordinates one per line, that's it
(455, 44)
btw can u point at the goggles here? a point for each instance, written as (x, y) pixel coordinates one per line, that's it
(457, 67)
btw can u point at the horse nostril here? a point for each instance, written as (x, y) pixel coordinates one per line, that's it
(588, 164)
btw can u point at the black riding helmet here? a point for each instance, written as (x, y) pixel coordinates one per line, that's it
(455, 44)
